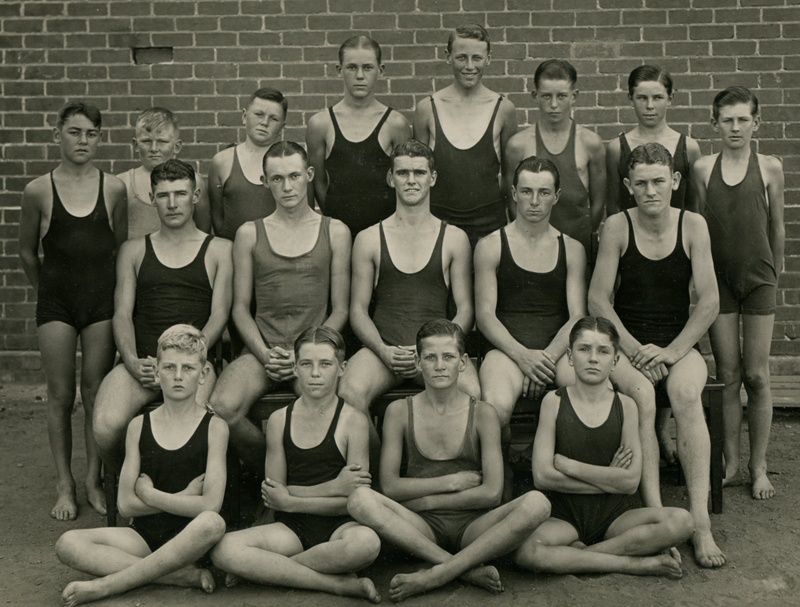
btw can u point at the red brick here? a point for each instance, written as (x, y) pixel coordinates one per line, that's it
(87, 9)
(305, 7)
(130, 8)
(438, 6)
(176, 8)
(364, 6)
(43, 9)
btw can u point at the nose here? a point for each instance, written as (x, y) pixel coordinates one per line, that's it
(553, 102)
(650, 103)
(360, 73)
(470, 63)
(83, 137)
(650, 188)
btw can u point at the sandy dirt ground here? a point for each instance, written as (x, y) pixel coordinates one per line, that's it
(761, 540)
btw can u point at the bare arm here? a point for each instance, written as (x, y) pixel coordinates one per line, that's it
(512, 156)
(597, 177)
(423, 123)
(340, 275)
(692, 155)
(508, 120)
(217, 175)
(459, 253)
(221, 289)
(623, 474)
(545, 475)
(210, 498)
(699, 176)
(401, 488)
(576, 295)
(777, 229)
(116, 196)
(399, 130)
(317, 146)
(612, 180)
(29, 227)
(490, 491)
(202, 210)
(243, 292)
(130, 504)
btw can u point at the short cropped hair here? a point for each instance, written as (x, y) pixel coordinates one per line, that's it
(649, 73)
(534, 164)
(445, 328)
(473, 31)
(81, 108)
(184, 338)
(595, 323)
(284, 149)
(733, 95)
(650, 153)
(321, 335)
(270, 94)
(356, 42)
(555, 69)
(414, 149)
(172, 170)
(154, 118)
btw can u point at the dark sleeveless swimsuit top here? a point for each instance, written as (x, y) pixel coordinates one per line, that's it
(242, 201)
(316, 465)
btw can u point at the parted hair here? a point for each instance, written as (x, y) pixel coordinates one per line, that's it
(81, 108)
(321, 335)
(733, 95)
(284, 149)
(172, 170)
(534, 164)
(414, 149)
(185, 338)
(650, 153)
(360, 42)
(153, 118)
(555, 69)
(270, 94)
(649, 73)
(445, 328)
(595, 323)
(473, 31)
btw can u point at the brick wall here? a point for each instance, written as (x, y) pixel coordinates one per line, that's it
(224, 49)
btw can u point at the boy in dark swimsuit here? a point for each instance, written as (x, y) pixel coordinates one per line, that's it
(657, 252)
(445, 508)
(587, 456)
(577, 152)
(176, 275)
(78, 213)
(529, 289)
(467, 126)
(172, 484)
(745, 223)
(317, 453)
(350, 143)
(157, 139)
(295, 265)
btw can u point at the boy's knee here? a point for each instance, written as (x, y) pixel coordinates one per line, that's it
(227, 408)
(65, 545)
(354, 392)
(211, 526)
(756, 379)
(365, 546)
(535, 506)
(361, 503)
(219, 553)
(529, 555)
(684, 398)
(680, 523)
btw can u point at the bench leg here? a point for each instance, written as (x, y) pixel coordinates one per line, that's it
(110, 488)
(716, 432)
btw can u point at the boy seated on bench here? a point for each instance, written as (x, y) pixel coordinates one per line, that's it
(172, 484)
(446, 509)
(317, 453)
(587, 454)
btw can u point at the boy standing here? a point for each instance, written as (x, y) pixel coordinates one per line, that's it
(317, 453)
(172, 484)
(444, 509)
(741, 197)
(577, 152)
(157, 139)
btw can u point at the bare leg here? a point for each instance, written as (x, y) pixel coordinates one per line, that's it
(553, 548)
(632, 383)
(352, 547)
(57, 343)
(685, 385)
(666, 444)
(124, 561)
(724, 334)
(97, 348)
(242, 383)
(264, 555)
(496, 533)
(646, 531)
(757, 331)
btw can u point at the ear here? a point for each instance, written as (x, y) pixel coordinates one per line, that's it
(714, 124)
(569, 356)
(381, 69)
(389, 179)
(178, 146)
(152, 198)
(756, 122)
(462, 365)
(574, 96)
(56, 135)
(203, 374)
(514, 192)
(244, 115)
(557, 196)
(627, 183)
(264, 180)
(676, 180)
(310, 173)
(447, 56)
(433, 178)
(338, 69)
(342, 365)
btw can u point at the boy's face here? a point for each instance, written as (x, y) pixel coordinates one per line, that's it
(651, 186)
(318, 370)
(179, 373)
(78, 139)
(175, 202)
(555, 99)
(156, 146)
(412, 179)
(593, 357)
(736, 125)
(535, 195)
(650, 101)
(440, 362)
(288, 178)
(468, 58)
(263, 121)
(360, 71)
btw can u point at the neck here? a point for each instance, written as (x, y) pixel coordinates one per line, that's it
(468, 93)
(76, 170)
(440, 398)
(531, 230)
(177, 235)
(251, 147)
(557, 127)
(180, 408)
(740, 154)
(318, 404)
(295, 214)
(413, 216)
(591, 392)
(359, 103)
(654, 132)
(655, 224)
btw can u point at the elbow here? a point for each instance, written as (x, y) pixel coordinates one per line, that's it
(124, 507)
(541, 481)
(594, 304)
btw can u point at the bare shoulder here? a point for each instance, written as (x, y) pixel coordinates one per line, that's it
(507, 108)
(574, 249)
(220, 248)
(246, 232)
(353, 419)
(629, 407)
(397, 411)
(135, 426)
(38, 190)
(519, 140)
(485, 414)
(488, 247)
(223, 159)
(551, 403)
(612, 147)
(217, 427)
(132, 249)
(591, 140)
(705, 163)
(695, 225)
(771, 165)
(319, 123)
(277, 421)
(367, 240)
(339, 231)
(114, 184)
(455, 239)
(423, 106)
(615, 224)
(397, 120)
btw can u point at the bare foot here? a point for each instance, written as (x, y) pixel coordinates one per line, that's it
(207, 582)
(762, 488)
(232, 580)
(732, 478)
(96, 496)
(404, 585)
(706, 552)
(663, 565)
(486, 577)
(66, 507)
(78, 593)
(674, 553)
(360, 588)
(669, 451)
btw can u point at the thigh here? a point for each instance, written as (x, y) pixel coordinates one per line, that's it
(724, 335)
(554, 532)
(242, 383)
(632, 382)
(410, 517)
(367, 377)
(757, 339)
(275, 537)
(687, 378)
(468, 380)
(565, 374)
(501, 383)
(488, 520)
(122, 538)
(635, 518)
(120, 397)
(57, 344)
(97, 353)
